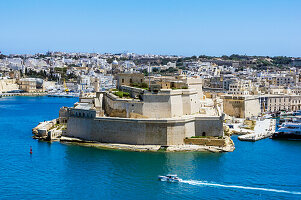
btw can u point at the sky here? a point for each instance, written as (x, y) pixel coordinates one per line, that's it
(168, 27)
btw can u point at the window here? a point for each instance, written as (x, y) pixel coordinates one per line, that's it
(122, 80)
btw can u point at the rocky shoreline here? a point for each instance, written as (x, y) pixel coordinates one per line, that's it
(151, 148)
(52, 131)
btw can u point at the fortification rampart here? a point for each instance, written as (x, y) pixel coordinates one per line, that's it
(116, 107)
(170, 131)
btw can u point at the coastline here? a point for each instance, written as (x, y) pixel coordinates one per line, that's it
(149, 148)
(51, 131)
(23, 94)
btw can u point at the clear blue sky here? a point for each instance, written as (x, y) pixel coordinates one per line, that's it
(181, 27)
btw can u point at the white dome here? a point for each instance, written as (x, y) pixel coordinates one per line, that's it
(115, 62)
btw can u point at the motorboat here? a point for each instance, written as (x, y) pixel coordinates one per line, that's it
(170, 178)
(288, 131)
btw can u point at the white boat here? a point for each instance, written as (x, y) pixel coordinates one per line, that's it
(288, 130)
(170, 178)
(61, 94)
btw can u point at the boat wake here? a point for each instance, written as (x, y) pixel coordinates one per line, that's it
(204, 183)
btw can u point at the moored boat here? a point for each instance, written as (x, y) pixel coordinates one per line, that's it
(288, 131)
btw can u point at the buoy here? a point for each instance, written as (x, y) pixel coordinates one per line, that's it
(30, 150)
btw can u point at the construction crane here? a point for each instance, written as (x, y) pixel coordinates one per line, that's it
(65, 86)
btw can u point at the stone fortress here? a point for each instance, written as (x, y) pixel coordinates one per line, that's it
(152, 116)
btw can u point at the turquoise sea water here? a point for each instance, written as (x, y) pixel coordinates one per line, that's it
(267, 169)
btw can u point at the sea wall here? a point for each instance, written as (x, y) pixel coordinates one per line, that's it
(209, 126)
(118, 130)
(206, 141)
(147, 131)
(42, 128)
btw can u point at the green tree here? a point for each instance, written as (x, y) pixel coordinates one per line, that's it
(224, 57)
(144, 71)
(155, 70)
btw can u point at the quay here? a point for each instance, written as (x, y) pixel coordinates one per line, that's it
(71, 95)
(22, 94)
(263, 129)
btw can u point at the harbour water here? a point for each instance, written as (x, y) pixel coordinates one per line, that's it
(266, 169)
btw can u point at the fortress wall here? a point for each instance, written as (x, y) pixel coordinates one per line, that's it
(142, 131)
(134, 92)
(191, 104)
(186, 104)
(115, 131)
(176, 133)
(157, 106)
(189, 129)
(165, 104)
(176, 105)
(133, 131)
(134, 107)
(195, 104)
(210, 126)
(115, 107)
(156, 133)
(79, 128)
(198, 88)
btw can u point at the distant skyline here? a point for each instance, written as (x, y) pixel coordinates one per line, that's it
(174, 27)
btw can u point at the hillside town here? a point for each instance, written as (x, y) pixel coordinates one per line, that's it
(274, 82)
(202, 96)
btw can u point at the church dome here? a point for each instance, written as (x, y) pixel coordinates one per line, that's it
(115, 62)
